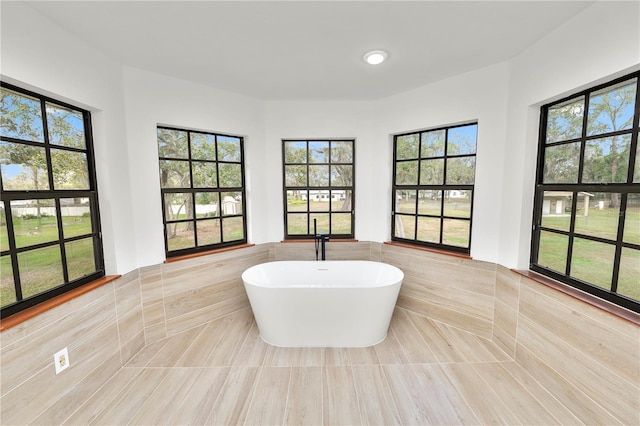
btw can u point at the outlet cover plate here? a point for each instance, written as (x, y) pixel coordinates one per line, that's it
(61, 360)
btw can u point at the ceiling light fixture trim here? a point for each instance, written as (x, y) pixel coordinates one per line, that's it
(375, 57)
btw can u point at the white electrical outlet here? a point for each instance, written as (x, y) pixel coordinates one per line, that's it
(61, 360)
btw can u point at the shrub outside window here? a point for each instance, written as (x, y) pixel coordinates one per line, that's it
(50, 239)
(586, 229)
(318, 186)
(433, 181)
(202, 188)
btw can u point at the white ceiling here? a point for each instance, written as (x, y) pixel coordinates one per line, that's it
(310, 49)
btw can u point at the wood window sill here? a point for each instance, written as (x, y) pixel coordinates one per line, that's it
(22, 316)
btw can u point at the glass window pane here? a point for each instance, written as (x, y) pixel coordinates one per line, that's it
(318, 152)
(457, 203)
(611, 109)
(430, 202)
(592, 262)
(632, 220)
(341, 152)
(76, 217)
(432, 172)
(295, 152)
(40, 270)
(556, 209)
(564, 121)
(229, 149)
(405, 201)
(628, 279)
(607, 160)
(174, 174)
(636, 171)
(34, 222)
(207, 204)
(552, 253)
(407, 173)
(462, 140)
(231, 203)
(208, 232)
(22, 116)
(341, 223)
(318, 175)
(597, 214)
(341, 175)
(203, 146)
(173, 143)
(297, 201)
(230, 175)
(432, 144)
(407, 146)
(455, 232)
(297, 224)
(232, 229)
(178, 206)
(66, 126)
(80, 258)
(429, 229)
(405, 226)
(319, 200)
(24, 167)
(70, 169)
(7, 287)
(4, 234)
(322, 222)
(341, 200)
(204, 175)
(295, 175)
(461, 171)
(561, 163)
(180, 235)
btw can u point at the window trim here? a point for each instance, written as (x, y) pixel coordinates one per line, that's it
(56, 195)
(442, 187)
(624, 189)
(309, 188)
(169, 254)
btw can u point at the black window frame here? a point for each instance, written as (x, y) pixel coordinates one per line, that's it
(57, 195)
(444, 186)
(328, 188)
(193, 190)
(578, 190)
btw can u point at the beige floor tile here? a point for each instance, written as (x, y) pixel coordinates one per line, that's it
(270, 397)
(232, 404)
(340, 400)
(304, 405)
(377, 406)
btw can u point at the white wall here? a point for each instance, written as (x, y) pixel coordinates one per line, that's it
(38, 55)
(128, 104)
(480, 95)
(316, 120)
(597, 45)
(152, 99)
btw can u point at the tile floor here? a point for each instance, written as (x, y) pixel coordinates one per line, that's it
(222, 373)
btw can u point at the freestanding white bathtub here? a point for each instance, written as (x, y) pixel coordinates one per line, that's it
(331, 303)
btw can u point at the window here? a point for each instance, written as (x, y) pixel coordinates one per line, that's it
(49, 223)
(202, 187)
(318, 188)
(586, 230)
(433, 179)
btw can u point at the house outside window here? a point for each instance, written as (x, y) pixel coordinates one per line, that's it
(203, 191)
(50, 240)
(586, 230)
(433, 183)
(319, 188)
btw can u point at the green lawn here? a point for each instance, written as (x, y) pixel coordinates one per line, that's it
(593, 261)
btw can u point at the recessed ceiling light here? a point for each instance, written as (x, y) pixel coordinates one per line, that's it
(375, 57)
